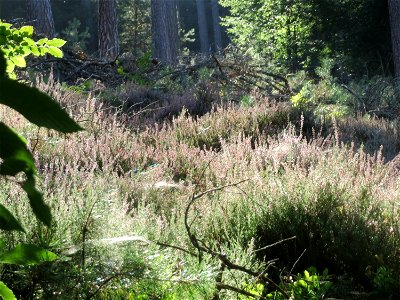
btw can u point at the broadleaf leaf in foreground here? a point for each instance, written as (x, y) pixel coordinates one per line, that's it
(8, 221)
(56, 42)
(27, 254)
(6, 293)
(40, 209)
(14, 153)
(3, 65)
(38, 107)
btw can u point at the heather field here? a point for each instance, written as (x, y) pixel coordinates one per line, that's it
(255, 201)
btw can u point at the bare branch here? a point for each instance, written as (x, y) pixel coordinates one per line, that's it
(223, 286)
(177, 247)
(275, 244)
(295, 263)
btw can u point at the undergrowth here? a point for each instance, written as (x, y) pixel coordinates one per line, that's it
(118, 193)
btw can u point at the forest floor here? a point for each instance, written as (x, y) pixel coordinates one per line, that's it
(252, 201)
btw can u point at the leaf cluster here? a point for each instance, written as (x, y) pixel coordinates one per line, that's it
(17, 44)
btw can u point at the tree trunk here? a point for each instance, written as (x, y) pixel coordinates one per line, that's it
(216, 25)
(394, 13)
(172, 27)
(202, 22)
(41, 16)
(108, 30)
(164, 25)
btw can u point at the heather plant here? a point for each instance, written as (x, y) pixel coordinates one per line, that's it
(120, 189)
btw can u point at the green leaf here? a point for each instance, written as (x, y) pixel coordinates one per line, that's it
(29, 41)
(56, 42)
(8, 221)
(302, 283)
(56, 52)
(36, 106)
(2, 245)
(3, 39)
(27, 254)
(42, 41)
(16, 156)
(10, 67)
(26, 50)
(3, 65)
(16, 37)
(39, 208)
(19, 61)
(5, 25)
(6, 293)
(28, 30)
(35, 50)
(43, 50)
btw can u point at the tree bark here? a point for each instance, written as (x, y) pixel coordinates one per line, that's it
(41, 16)
(202, 22)
(394, 13)
(164, 23)
(172, 26)
(108, 30)
(216, 25)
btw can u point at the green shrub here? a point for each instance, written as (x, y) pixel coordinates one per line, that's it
(77, 39)
(385, 281)
(309, 286)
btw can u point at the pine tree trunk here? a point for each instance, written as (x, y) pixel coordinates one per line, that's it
(159, 30)
(164, 25)
(39, 12)
(216, 25)
(202, 22)
(108, 30)
(172, 27)
(394, 13)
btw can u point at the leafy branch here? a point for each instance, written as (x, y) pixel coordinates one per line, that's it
(17, 44)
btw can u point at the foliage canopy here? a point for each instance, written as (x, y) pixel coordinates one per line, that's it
(299, 34)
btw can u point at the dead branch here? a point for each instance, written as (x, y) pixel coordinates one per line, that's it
(177, 248)
(223, 286)
(275, 244)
